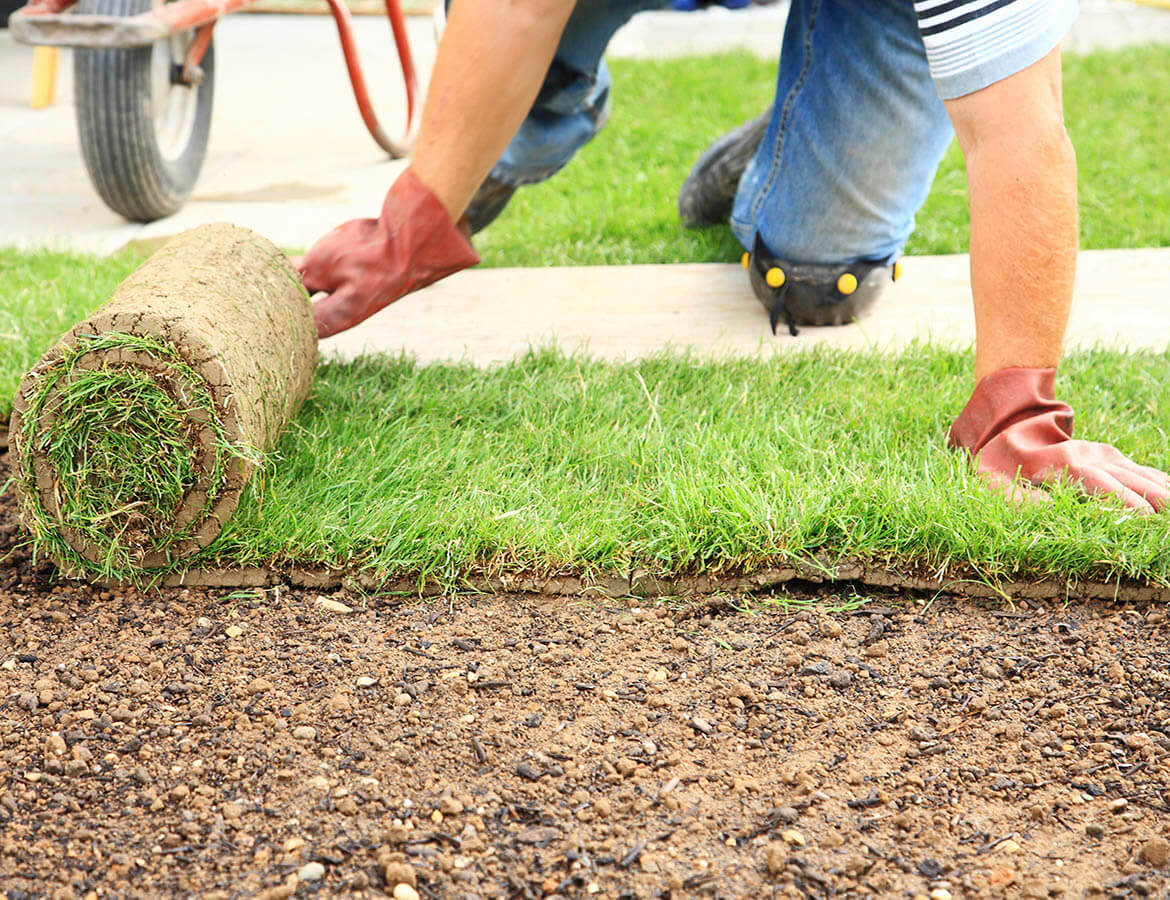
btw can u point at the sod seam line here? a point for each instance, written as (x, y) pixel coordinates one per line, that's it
(843, 573)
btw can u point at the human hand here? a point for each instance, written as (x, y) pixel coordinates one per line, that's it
(366, 264)
(1015, 429)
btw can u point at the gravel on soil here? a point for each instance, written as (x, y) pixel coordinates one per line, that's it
(207, 744)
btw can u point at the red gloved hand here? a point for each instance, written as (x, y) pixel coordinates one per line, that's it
(366, 264)
(1014, 425)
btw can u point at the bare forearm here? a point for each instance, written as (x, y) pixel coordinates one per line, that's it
(490, 66)
(1023, 254)
(1022, 181)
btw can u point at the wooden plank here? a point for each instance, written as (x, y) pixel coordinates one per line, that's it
(488, 316)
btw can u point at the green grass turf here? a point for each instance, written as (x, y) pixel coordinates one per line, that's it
(673, 464)
(676, 465)
(120, 446)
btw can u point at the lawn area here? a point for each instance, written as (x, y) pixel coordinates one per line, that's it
(666, 113)
(675, 464)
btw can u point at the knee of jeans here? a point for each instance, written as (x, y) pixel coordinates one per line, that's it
(543, 146)
(816, 235)
(567, 91)
(821, 246)
(564, 119)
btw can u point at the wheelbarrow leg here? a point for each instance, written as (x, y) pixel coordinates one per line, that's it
(191, 73)
(396, 149)
(44, 79)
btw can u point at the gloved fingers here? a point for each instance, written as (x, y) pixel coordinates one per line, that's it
(329, 261)
(1017, 491)
(336, 312)
(318, 277)
(1135, 478)
(1157, 476)
(315, 285)
(1111, 456)
(1098, 480)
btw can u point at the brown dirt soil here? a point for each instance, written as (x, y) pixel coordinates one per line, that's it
(203, 744)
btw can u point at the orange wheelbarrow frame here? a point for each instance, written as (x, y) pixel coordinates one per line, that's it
(46, 23)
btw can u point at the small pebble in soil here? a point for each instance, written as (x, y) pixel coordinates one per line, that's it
(333, 606)
(1156, 851)
(233, 631)
(305, 733)
(405, 892)
(940, 894)
(313, 871)
(929, 868)
(793, 837)
(776, 857)
(400, 873)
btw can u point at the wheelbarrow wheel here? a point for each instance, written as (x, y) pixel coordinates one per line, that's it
(143, 130)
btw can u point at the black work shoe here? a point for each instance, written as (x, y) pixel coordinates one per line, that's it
(489, 201)
(708, 193)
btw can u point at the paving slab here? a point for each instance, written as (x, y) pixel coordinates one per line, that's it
(288, 155)
(489, 316)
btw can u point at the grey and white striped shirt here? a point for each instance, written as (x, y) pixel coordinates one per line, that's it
(971, 44)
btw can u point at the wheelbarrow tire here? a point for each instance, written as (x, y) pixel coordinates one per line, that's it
(137, 172)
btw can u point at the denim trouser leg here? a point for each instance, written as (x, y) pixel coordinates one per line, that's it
(856, 135)
(573, 104)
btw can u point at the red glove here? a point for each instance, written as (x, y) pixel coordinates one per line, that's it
(1014, 426)
(366, 264)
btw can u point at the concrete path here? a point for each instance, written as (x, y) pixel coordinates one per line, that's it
(621, 312)
(289, 156)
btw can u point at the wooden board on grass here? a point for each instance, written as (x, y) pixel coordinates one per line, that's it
(491, 315)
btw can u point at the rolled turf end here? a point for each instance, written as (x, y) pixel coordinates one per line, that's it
(134, 436)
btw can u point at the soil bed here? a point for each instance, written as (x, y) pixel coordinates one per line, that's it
(207, 744)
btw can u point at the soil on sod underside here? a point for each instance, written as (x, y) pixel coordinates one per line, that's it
(207, 744)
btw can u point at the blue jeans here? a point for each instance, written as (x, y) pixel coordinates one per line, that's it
(856, 135)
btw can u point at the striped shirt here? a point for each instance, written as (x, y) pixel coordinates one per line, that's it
(971, 44)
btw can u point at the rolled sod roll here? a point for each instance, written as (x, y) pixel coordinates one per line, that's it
(134, 436)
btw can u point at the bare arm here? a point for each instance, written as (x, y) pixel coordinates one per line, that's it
(1022, 176)
(491, 63)
(492, 60)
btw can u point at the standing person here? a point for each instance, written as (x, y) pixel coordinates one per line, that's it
(821, 190)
